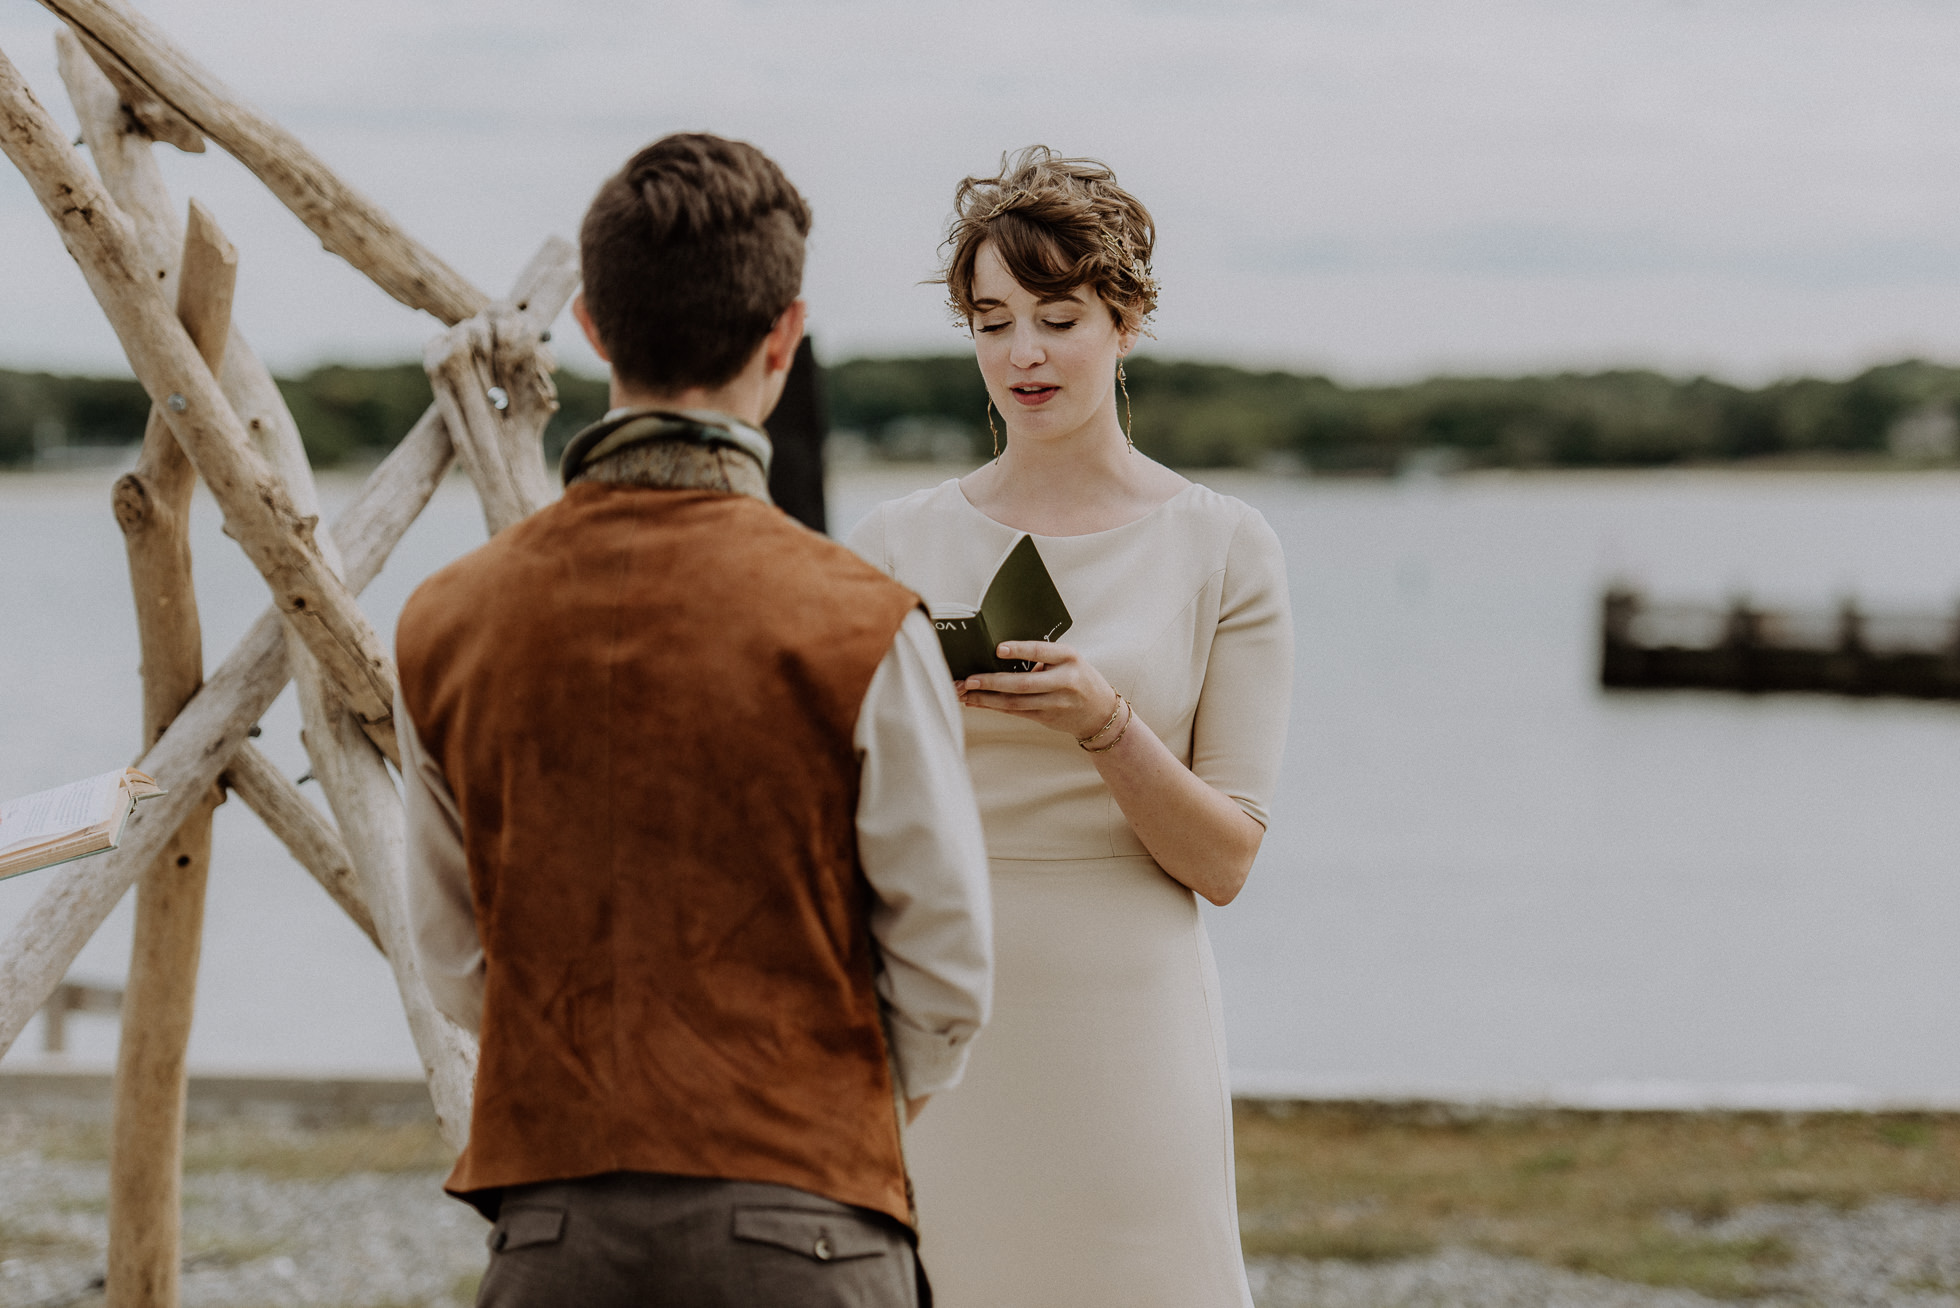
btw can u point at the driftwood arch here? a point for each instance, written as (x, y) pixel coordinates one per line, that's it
(166, 288)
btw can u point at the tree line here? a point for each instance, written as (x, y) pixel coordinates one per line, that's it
(1215, 415)
(1188, 414)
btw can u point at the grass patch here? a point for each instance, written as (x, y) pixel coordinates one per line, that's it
(1369, 1243)
(1931, 1283)
(316, 1155)
(1721, 1269)
(67, 1142)
(27, 1242)
(1627, 1195)
(281, 1152)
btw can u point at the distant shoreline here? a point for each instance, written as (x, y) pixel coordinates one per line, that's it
(46, 1088)
(1188, 413)
(121, 458)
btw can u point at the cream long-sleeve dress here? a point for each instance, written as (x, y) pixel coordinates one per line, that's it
(1086, 1161)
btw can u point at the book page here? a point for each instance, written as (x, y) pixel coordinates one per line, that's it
(58, 812)
(1022, 603)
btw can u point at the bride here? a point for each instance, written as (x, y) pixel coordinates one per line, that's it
(1086, 1160)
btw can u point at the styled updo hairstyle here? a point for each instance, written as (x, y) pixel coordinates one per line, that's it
(1057, 224)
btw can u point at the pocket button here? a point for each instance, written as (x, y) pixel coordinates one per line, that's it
(822, 1249)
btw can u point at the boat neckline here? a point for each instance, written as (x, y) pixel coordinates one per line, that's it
(960, 492)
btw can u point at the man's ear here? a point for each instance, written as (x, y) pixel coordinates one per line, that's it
(779, 347)
(584, 316)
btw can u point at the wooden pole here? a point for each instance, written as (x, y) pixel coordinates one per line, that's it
(202, 741)
(258, 511)
(499, 444)
(43, 944)
(156, 119)
(499, 352)
(368, 810)
(153, 506)
(124, 158)
(115, 130)
(310, 838)
(347, 222)
(120, 145)
(116, 134)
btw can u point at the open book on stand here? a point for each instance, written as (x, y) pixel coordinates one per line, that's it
(1021, 603)
(71, 821)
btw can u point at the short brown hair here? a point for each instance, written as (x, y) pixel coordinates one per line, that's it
(690, 253)
(1057, 224)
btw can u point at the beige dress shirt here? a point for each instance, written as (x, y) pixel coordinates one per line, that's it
(919, 842)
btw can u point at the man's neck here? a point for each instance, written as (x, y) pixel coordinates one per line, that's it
(743, 398)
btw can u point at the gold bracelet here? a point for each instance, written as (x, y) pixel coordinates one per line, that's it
(1128, 718)
(1084, 740)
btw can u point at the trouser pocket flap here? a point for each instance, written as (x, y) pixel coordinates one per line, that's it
(522, 1225)
(826, 1237)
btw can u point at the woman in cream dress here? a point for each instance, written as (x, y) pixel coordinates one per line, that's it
(1086, 1160)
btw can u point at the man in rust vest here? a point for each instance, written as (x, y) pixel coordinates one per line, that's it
(692, 845)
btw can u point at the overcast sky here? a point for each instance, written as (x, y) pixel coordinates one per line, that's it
(1380, 189)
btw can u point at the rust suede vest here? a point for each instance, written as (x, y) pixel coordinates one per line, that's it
(644, 702)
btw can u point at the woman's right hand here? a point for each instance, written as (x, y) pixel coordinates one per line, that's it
(1065, 692)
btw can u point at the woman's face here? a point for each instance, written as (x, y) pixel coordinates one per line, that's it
(1049, 364)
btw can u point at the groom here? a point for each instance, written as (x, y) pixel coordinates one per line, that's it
(691, 840)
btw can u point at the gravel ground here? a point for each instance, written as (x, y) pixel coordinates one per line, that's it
(1889, 1254)
(363, 1241)
(370, 1241)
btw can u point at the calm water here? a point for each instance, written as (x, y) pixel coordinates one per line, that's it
(1483, 877)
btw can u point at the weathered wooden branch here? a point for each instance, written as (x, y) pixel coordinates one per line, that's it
(37, 953)
(501, 346)
(153, 502)
(301, 828)
(153, 505)
(358, 786)
(347, 223)
(368, 811)
(111, 128)
(202, 740)
(121, 147)
(42, 945)
(157, 119)
(257, 510)
(497, 353)
(363, 797)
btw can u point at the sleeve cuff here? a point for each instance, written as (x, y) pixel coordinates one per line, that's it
(928, 1062)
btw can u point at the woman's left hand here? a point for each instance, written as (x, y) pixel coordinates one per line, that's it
(1064, 692)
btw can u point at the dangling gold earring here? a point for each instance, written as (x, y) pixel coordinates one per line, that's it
(991, 429)
(1128, 417)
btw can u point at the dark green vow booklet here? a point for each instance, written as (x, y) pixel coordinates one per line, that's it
(1021, 603)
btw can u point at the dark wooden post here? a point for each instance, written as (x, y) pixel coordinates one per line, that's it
(797, 429)
(1742, 639)
(1848, 668)
(1621, 661)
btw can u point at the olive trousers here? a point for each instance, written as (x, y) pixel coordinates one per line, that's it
(637, 1240)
